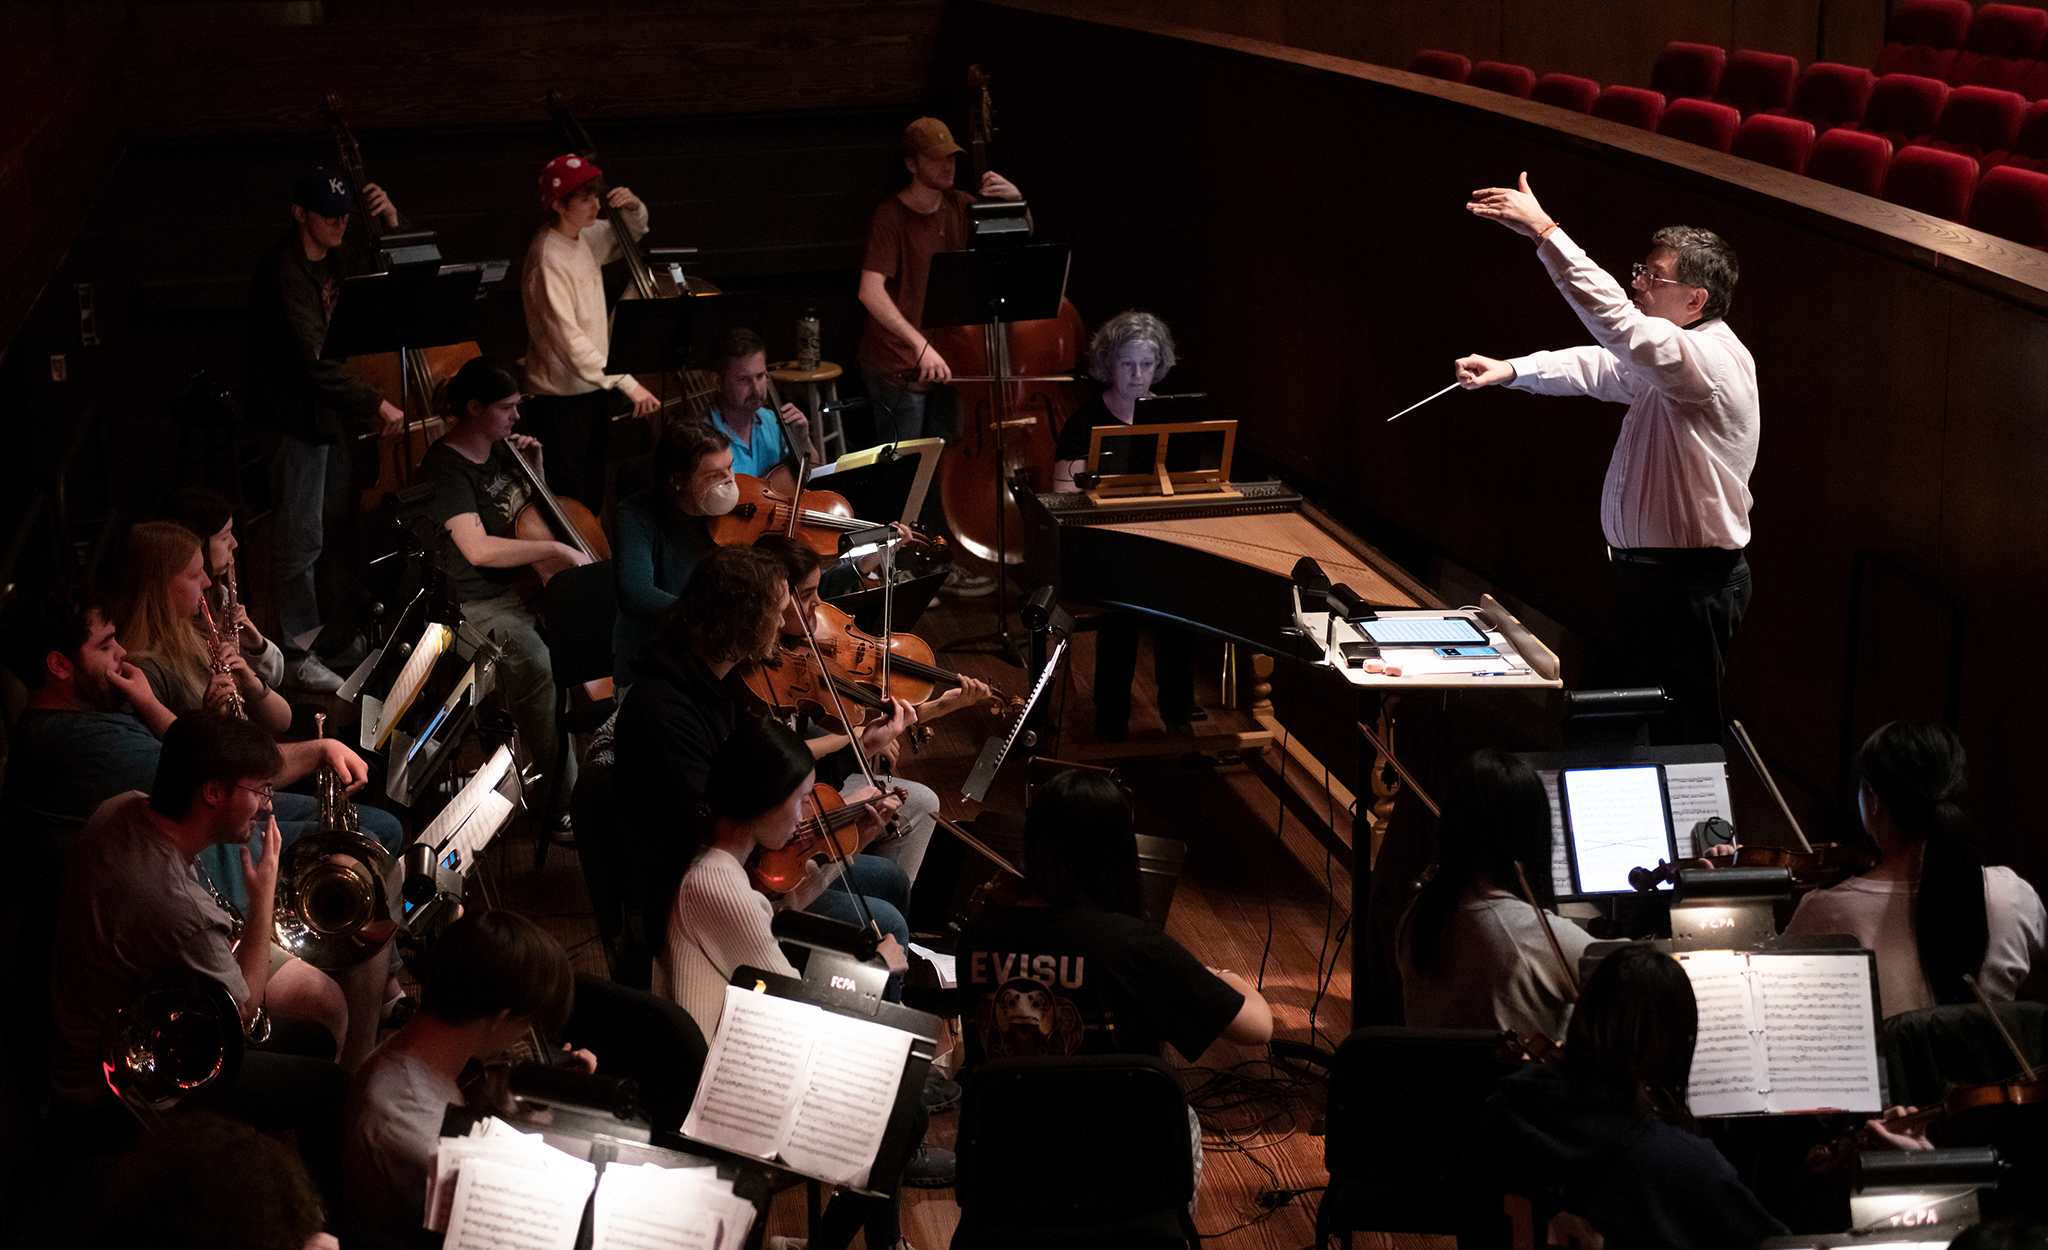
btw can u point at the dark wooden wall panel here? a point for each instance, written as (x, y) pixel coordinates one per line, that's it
(1322, 274)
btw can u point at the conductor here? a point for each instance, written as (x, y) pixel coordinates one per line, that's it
(1675, 506)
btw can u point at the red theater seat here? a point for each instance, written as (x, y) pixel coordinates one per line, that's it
(1905, 107)
(1566, 91)
(1851, 158)
(1632, 106)
(1923, 36)
(1929, 180)
(1703, 122)
(1514, 80)
(1785, 142)
(1831, 95)
(1448, 66)
(2000, 47)
(2012, 204)
(1688, 70)
(2030, 150)
(1758, 82)
(1980, 122)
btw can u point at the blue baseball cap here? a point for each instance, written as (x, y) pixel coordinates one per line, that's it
(321, 190)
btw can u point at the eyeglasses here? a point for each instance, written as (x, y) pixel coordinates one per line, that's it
(266, 793)
(1640, 271)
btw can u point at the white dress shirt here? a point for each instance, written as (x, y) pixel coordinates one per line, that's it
(1680, 472)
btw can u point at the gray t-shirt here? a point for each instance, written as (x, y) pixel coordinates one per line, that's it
(393, 1120)
(134, 916)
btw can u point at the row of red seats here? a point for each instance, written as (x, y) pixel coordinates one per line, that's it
(1999, 45)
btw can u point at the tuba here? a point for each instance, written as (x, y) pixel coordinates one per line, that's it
(174, 1042)
(334, 895)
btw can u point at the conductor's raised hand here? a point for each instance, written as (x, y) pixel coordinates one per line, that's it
(1513, 207)
(1474, 372)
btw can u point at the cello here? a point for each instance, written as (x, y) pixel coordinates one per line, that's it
(1015, 392)
(416, 379)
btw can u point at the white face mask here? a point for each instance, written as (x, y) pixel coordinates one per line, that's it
(719, 499)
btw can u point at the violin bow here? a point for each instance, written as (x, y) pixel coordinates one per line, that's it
(1999, 1024)
(1571, 976)
(1756, 761)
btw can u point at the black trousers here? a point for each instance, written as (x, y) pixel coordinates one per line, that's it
(1677, 610)
(575, 433)
(1116, 662)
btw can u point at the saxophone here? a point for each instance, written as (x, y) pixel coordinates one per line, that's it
(222, 632)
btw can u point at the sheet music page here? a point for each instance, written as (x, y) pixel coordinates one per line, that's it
(500, 1206)
(1820, 1032)
(759, 1063)
(410, 678)
(1698, 792)
(1728, 1076)
(844, 1111)
(639, 1208)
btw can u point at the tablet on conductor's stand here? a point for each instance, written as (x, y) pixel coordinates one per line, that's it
(1615, 818)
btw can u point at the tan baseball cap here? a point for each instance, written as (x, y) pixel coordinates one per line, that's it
(928, 136)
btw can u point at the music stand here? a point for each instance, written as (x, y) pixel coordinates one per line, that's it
(666, 335)
(997, 749)
(390, 312)
(988, 288)
(912, 598)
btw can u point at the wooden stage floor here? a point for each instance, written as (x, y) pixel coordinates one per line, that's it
(1249, 898)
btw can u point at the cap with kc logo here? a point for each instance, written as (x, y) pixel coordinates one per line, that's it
(321, 190)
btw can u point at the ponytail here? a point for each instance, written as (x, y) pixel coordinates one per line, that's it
(1916, 770)
(1496, 815)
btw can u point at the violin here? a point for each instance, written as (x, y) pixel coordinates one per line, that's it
(913, 677)
(1826, 864)
(831, 833)
(548, 517)
(793, 685)
(1830, 1156)
(774, 506)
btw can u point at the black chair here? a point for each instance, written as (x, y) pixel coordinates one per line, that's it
(644, 1036)
(1405, 1105)
(1929, 1050)
(1088, 1151)
(582, 604)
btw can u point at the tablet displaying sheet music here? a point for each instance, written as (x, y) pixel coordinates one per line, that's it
(1615, 819)
(1426, 631)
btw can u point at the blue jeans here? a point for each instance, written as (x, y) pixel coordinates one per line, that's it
(886, 891)
(306, 480)
(528, 680)
(911, 410)
(297, 815)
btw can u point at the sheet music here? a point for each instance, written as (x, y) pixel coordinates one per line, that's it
(410, 678)
(759, 1062)
(501, 1206)
(1698, 792)
(1820, 1032)
(845, 1108)
(652, 1208)
(1783, 1033)
(1728, 1059)
(476, 813)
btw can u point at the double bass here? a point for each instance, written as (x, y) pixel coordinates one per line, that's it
(1014, 396)
(414, 380)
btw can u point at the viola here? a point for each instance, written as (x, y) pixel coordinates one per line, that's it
(792, 684)
(913, 677)
(820, 517)
(1829, 1156)
(832, 832)
(1827, 864)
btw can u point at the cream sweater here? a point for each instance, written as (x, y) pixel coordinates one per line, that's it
(720, 923)
(567, 328)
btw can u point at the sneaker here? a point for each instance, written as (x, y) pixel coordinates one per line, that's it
(968, 585)
(940, 1093)
(930, 1168)
(308, 673)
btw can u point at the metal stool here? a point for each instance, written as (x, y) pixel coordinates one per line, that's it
(828, 437)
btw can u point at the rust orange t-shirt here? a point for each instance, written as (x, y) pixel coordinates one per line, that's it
(901, 244)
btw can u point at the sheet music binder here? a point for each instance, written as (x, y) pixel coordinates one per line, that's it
(923, 1028)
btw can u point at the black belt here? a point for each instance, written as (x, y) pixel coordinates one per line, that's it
(1676, 557)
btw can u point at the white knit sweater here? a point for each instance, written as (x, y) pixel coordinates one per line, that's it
(567, 329)
(720, 923)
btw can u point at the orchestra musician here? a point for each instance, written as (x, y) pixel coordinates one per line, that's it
(209, 515)
(753, 800)
(675, 721)
(1931, 908)
(568, 405)
(1469, 949)
(661, 535)
(906, 377)
(762, 438)
(495, 978)
(1675, 506)
(478, 493)
(1132, 351)
(311, 406)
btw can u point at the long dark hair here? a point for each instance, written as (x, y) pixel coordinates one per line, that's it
(1496, 815)
(1631, 1037)
(1080, 849)
(1916, 771)
(756, 770)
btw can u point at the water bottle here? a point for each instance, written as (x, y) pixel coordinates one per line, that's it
(808, 354)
